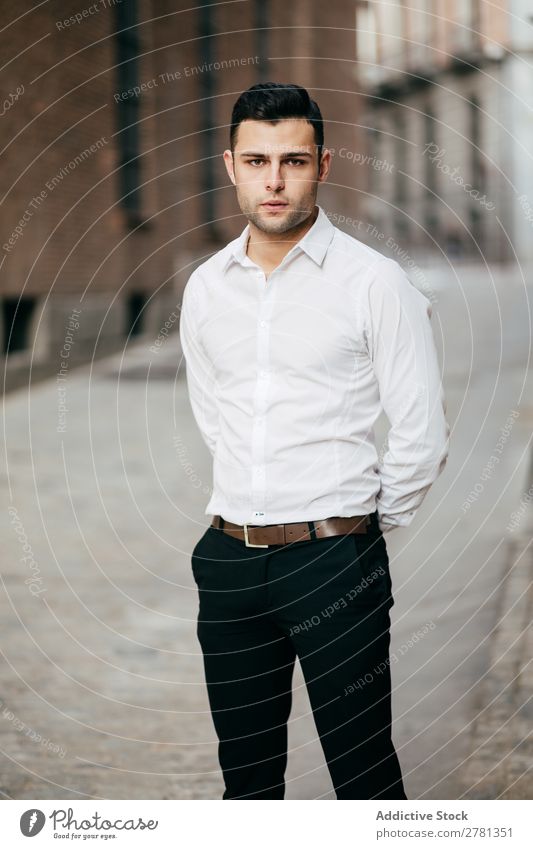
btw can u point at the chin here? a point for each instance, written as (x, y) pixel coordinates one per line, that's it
(271, 226)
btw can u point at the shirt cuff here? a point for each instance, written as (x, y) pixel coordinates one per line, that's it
(385, 527)
(387, 523)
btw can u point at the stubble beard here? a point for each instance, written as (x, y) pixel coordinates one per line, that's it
(288, 221)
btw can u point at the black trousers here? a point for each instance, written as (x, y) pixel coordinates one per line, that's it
(326, 601)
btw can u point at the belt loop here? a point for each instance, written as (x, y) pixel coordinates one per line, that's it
(221, 523)
(312, 530)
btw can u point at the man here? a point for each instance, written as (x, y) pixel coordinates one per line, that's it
(295, 336)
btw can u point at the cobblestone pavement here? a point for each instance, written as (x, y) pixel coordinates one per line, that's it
(500, 765)
(102, 692)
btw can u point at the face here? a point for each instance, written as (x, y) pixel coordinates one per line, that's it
(275, 171)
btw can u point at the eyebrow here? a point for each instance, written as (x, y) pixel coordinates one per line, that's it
(289, 153)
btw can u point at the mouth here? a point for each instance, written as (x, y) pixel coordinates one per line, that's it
(274, 205)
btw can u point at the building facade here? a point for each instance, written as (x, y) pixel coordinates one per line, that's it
(447, 106)
(115, 118)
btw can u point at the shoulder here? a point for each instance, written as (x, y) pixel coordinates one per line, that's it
(198, 278)
(208, 270)
(378, 280)
(376, 266)
(347, 244)
(389, 287)
(366, 267)
(362, 262)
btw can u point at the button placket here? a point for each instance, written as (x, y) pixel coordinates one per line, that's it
(259, 401)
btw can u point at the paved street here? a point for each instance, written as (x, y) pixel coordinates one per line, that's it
(101, 680)
(449, 566)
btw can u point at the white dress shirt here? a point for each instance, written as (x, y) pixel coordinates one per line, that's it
(288, 374)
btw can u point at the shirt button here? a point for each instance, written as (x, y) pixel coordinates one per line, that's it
(262, 324)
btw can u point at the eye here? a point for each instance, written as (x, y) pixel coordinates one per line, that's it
(254, 162)
(297, 161)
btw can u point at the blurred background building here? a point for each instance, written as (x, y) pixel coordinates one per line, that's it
(447, 100)
(115, 118)
(114, 115)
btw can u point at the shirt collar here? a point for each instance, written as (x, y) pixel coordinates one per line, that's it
(314, 243)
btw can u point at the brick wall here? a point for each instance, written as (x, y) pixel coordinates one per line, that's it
(67, 237)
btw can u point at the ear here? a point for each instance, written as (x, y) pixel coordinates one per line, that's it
(325, 164)
(228, 162)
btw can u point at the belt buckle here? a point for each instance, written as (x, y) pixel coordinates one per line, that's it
(247, 541)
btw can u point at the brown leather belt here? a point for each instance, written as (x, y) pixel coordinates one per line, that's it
(261, 536)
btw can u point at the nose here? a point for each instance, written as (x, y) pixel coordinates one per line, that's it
(274, 181)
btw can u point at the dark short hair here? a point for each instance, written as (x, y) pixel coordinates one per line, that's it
(273, 102)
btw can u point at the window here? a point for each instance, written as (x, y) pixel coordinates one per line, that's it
(476, 164)
(135, 315)
(400, 158)
(366, 41)
(17, 315)
(466, 18)
(477, 169)
(262, 19)
(207, 93)
(127, 109)
(430, 176)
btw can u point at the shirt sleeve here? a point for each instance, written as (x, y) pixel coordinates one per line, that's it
(200, 374)
(405, 363)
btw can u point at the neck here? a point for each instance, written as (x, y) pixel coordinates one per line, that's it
(269, 249)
